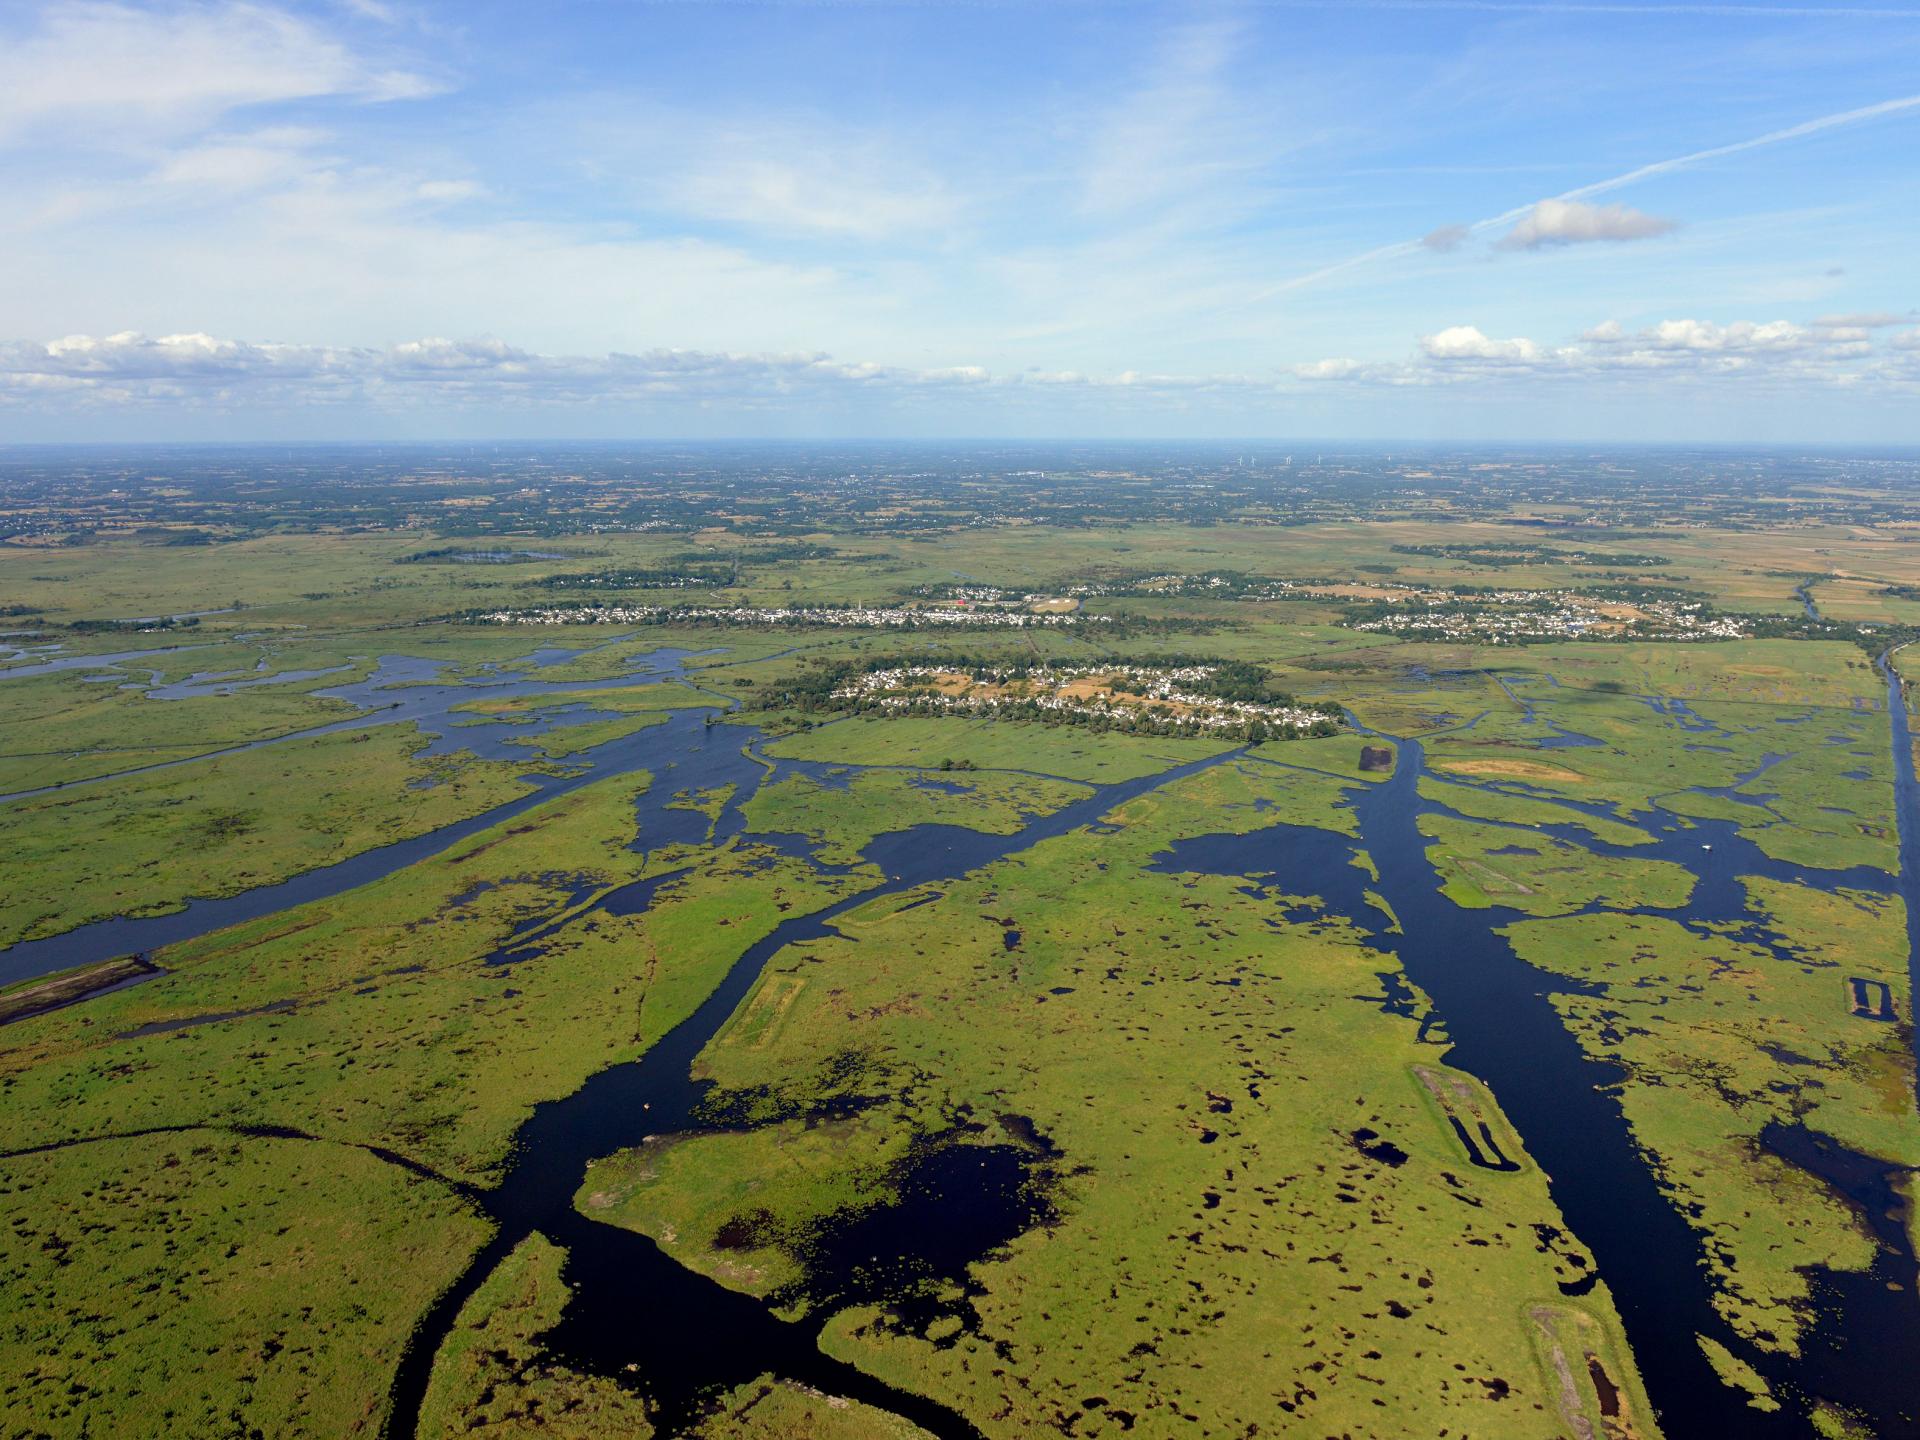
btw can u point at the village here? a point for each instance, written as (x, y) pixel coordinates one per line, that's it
(850, 617)
(1515, 616)
(1171, 698)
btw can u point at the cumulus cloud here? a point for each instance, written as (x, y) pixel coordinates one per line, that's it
(1334, 369)
(1446, 238)
(1704, 335)
(1574, 222)
(1466, 342)
(1748, 352)
(130, 368)
(131, 356)
(1574, 199)
(197, 370)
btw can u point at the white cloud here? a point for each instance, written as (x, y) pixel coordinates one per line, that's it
(772, 183)
(1166, 135)
(439, 357)
(98, 70)
(132, 356)
(244, 162)
(1465, 342)
(1744, 351)
(130, 369)
(1573, 222)
(1446, 238)
(1866, 320)
(811, 175)
(195, 370)
(1704, 335)
(1191, 139)
(1904, 105)
(1335, 369)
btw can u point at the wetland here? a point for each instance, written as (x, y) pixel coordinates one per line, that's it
(440, 1027)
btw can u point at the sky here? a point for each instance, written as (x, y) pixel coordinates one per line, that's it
(1392, 219)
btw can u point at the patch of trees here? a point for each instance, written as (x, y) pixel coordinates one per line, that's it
(668, 577)
(1630, 593)
(1870, 638)
(790, 550)
(1508, 552)
(164, 622)
(469, 555)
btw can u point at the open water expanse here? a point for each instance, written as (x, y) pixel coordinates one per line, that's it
(632, 1306)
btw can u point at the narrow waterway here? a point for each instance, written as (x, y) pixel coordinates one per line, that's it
(630, 1303)
(1502, 1027)
(1906, 806)
(407, 690)
(1803, 592)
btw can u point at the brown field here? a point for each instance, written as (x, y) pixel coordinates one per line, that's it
(1515, 769)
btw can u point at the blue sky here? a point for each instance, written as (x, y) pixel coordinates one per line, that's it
(1633, 221)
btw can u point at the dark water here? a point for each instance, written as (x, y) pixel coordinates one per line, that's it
(1502, 1028)
(1906, 803)
(1500, 1025)
(410, 691)
(632, 1303)
(402, 689)
(106, 939)
(52, 663)
(1555, 736)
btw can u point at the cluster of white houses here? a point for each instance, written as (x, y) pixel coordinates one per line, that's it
(852, 616)
(1497, 618)
(1133, 692)
(990, 597)
(1217, 586)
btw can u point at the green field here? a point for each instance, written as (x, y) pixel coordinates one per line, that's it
(1245, 1146)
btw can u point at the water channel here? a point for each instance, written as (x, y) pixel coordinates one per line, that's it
(630, 1304)
(1501, 1026)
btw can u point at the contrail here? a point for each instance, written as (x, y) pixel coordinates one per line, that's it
(1494, 7)
(1600, 187)
(1609, 7)
(1773, 137)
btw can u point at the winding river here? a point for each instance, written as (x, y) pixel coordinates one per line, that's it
(675, 1327)
(401, 690)
(630, 1302)
(1501, 1027)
